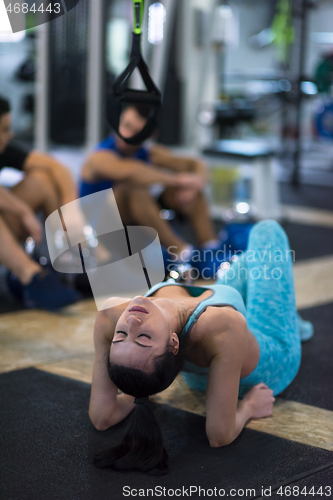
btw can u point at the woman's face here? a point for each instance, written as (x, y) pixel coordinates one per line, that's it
(143, 332)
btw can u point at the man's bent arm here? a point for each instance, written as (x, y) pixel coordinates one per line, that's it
(104, 164)
(163, 157)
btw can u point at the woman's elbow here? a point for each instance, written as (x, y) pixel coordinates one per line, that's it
(100, 427)
(98, 423)
(217, 440)
(218, 443)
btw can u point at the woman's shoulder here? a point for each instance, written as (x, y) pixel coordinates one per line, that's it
(218, 330)
(220, 318)
(219, 326)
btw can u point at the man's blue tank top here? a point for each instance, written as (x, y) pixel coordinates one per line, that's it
(223, 295)
(109, 144)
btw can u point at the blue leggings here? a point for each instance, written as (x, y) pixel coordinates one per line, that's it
(264, 277)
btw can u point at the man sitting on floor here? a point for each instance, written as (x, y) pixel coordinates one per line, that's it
(46, 186)
(142, 187)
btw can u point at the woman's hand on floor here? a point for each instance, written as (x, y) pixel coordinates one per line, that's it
(260, 400)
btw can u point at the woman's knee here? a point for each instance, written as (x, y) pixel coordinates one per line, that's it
(268, 224)
(270, 230)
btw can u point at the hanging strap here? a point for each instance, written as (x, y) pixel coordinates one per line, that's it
(138, 11)
(120, 95)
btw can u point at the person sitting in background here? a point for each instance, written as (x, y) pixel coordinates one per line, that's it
(146, 179)
(46, 186)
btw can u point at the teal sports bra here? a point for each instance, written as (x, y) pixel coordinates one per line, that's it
(223, 295)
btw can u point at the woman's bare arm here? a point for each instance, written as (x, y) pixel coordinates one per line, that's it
(106, 407)
(225, 416)
(222, 422)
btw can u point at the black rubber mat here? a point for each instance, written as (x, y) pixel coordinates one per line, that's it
(306, 195)
(47, 441)
(313, 384)
(317, 485)
(309, 242)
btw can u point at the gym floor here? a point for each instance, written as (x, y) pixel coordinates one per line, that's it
(62, 344)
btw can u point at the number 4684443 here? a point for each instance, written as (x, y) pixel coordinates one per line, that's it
(17, 8)
(295, 491)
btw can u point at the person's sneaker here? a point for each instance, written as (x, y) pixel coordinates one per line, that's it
(306, 329)
(238, 235)
(46, 292)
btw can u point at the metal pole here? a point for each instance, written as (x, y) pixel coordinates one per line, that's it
(299, 108)
(159, 62)
(41, 89)
(206, 57)
(95, 73)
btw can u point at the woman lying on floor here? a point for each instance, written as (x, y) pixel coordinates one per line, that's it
(142, 345)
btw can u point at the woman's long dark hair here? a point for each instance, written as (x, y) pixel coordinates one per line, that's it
(142, 445)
